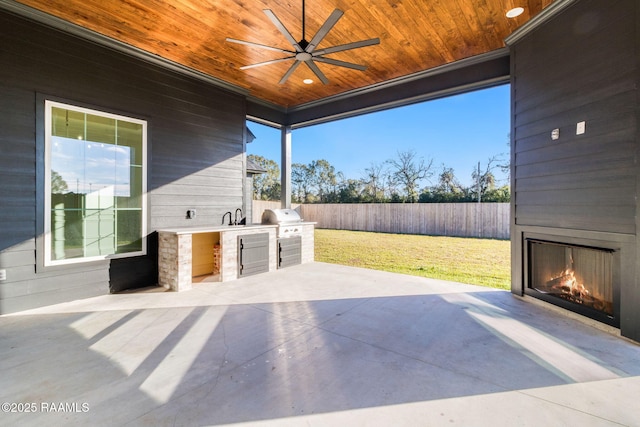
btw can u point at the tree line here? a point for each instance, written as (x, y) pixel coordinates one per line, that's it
(402, 179)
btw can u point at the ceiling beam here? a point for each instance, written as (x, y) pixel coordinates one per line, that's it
(478, 72)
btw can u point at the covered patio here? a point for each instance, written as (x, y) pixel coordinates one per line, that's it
(316, 344)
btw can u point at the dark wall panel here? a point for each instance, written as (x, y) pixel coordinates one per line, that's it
(579, 67)
(195, 153)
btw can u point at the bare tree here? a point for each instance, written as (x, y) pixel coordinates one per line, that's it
(389, 184)
(373, 180)
(486, 180)
(410, 170)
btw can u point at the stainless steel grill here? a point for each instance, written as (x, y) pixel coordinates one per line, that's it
(288, 221)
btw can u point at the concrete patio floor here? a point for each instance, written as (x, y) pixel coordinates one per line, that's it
(315, 344)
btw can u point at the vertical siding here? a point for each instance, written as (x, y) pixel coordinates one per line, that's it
(195, 159)
(486, 220)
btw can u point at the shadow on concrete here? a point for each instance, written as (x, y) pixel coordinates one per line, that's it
(203, 358)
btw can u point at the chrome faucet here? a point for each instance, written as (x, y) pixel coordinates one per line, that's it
(230, 223)
(236, 219)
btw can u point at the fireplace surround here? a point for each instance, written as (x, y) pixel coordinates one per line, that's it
(615, 254)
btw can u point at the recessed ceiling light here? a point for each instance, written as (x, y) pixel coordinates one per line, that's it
(516, 11)
(307, 81)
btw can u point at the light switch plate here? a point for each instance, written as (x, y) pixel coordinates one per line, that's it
(580, 128)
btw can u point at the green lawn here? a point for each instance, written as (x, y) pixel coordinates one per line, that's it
(483, 262)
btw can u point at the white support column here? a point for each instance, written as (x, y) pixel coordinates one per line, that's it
(285, 168)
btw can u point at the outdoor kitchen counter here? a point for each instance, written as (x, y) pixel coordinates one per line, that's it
(180, 248)
(182, 251)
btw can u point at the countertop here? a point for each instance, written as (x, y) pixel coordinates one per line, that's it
(213, 228)
(222, 228)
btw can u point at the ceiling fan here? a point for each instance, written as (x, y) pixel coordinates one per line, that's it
(305, 51)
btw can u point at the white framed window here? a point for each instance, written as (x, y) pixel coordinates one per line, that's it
(95, 185)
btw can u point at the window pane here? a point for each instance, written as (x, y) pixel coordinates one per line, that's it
(101, 129)
(122, 173)
(99, 222)
(66, 227)
(134, 198)
(67, 172)
(130, 135)
(68, 124)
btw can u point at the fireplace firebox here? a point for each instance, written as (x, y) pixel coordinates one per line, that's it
(575, 277)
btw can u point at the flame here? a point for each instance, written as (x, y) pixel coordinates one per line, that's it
(567, 283)
(567, 286)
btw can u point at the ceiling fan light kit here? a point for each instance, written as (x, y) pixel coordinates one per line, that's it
(305, 51)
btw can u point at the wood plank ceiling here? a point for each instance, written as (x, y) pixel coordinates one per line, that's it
(415, 35)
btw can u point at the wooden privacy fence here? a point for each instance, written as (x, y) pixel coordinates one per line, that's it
(486, 220)
(260, 205)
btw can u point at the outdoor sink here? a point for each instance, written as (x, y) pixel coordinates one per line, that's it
(242, 223)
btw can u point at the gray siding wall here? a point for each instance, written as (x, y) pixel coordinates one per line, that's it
(582, 65)
(195, 160)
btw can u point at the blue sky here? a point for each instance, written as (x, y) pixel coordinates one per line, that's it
(457, 131)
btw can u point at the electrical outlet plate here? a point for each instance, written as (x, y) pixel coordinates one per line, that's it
(3, 275)
(555, 134)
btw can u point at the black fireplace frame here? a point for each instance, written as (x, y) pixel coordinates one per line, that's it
(612, 247)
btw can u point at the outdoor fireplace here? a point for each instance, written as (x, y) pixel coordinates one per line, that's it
(575, 277)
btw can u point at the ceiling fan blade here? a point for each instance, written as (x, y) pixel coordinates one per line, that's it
(280, 26)
(339, 63)
(317, 71)
(348, 46)
(273, 61)
(289, 72)
(262, 46)
(326, 27)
